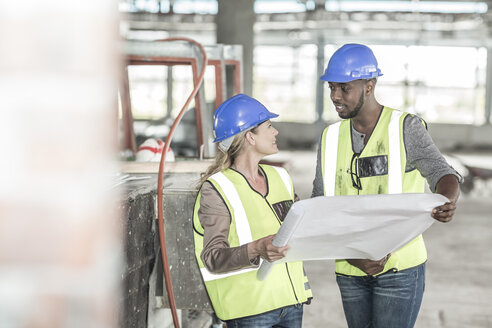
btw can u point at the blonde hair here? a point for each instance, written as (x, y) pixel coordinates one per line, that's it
(225, 160)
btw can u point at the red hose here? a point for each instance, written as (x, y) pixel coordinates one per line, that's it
(160, 219)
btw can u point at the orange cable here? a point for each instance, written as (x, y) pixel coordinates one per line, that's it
(162, 238)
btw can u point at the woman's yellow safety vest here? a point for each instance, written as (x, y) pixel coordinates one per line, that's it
(379, 169)
(239, 293)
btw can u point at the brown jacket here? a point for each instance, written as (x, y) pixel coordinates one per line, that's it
(217, 255)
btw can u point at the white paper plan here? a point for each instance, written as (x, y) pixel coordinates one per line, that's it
(352, 227)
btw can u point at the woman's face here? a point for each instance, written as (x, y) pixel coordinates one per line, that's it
(265, 138)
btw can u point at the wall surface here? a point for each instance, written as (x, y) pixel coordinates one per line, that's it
(142, 278)
(139, 216)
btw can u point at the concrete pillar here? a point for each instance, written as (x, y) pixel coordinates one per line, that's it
(488, 88)
(235, 20)
(319, 4)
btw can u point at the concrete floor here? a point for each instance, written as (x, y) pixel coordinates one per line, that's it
(459, 270)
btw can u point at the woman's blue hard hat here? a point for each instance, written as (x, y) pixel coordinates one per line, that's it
(237, 114)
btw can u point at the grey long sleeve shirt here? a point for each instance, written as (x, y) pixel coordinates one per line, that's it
(422, 154)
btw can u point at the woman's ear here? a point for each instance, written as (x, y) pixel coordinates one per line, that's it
(250, 138)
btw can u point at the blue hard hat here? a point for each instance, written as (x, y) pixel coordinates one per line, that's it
(352, 62)
(237, 114)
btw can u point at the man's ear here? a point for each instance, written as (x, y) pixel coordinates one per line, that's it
(370, 84)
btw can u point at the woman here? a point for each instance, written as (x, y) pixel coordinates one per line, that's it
(239, 208)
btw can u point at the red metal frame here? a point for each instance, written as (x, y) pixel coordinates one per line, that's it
(171, 61)
(218, 77)
(127, 117)
(218, 81)
(129, 138)
(237, 74)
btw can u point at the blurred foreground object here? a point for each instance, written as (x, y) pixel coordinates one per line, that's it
(60, 235)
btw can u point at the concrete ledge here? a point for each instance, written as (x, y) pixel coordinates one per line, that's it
(180, 166)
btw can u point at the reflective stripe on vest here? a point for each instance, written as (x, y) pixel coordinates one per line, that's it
(243, 229)
(331, 152)
(242, 225)
(209, 276)
(285, 179)
(395, 185)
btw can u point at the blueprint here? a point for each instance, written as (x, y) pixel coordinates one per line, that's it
(352, 227)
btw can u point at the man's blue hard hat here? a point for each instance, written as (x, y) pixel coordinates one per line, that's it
(237, 114)
(352, 62)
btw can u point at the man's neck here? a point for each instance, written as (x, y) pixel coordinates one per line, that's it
(367, 118)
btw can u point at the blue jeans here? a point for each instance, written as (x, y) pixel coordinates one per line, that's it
(287, 317)
(389, 300)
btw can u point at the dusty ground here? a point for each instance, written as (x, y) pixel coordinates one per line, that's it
(459, 270)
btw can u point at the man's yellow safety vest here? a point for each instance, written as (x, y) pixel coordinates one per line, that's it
(239, 293)
(379, 169)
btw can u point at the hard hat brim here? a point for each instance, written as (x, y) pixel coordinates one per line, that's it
(246, 127)
(345, 79)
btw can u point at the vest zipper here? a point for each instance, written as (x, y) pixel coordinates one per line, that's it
(286, 267)
(291, 283)
(279, 222)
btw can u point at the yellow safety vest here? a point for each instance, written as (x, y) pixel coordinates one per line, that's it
(239, 293)
(381, 170)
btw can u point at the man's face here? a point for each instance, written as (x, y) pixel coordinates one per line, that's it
(348, 98)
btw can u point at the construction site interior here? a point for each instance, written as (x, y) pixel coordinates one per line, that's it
(108, 123)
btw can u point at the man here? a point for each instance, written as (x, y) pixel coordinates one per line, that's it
(378, 150)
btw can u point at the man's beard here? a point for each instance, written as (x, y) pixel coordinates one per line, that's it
(356, 110)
